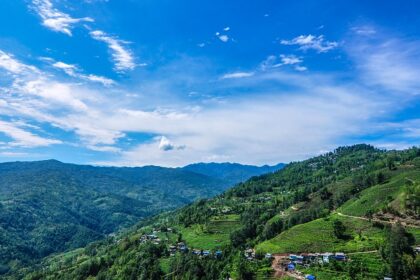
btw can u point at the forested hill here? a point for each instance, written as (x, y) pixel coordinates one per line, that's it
(232, 172)
(49, 206)
(357, 200)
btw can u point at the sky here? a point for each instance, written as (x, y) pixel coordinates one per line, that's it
(160, 82)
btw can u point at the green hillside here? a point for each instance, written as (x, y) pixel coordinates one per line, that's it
(48, 206)
(309, 206)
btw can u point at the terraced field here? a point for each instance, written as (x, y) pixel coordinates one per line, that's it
(318, 236)
(379, 196)
(214, 235)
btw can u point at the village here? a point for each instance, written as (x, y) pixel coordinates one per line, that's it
(282, 264)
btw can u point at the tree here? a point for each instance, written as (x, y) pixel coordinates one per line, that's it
(398, 253)
(339, 229)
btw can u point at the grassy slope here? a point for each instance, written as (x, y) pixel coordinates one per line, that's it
(377, 197)
(318, 236)
(372, 264)
(215, 235)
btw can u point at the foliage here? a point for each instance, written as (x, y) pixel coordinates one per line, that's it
(289, 211)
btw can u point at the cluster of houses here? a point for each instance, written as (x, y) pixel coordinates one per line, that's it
(207, 253)
(250, 254)
(179, 247)
(308, 259)
(150, 238)
(182, 247)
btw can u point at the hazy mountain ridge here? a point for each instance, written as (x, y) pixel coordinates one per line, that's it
(50, 206)
(309, 206)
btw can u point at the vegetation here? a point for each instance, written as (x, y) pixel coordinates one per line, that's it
(48, 206)
(308, 206)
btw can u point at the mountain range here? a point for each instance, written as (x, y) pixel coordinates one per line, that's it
(50, 206)
(356, 205)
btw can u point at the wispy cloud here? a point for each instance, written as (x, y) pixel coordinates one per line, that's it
(121, 55)
(237, 75)
(273, 61)
(74, 71)
(55, 19)
(10, 64)
(389, 63)
(311, 42)
(23, 138)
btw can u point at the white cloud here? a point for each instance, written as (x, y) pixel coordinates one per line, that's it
(308, 42)
(273, 61)
(74, 71)
(54, 19)
(238, 75)
(278, 115)
(122, 56)
(166, 145)
(226, 28)
(364, 30)
(69, 69)
(24, 138)
(222, 37)
(300, 68)
(290, 59)
(10, 64)
(391, 64)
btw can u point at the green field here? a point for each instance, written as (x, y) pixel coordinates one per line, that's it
(317, 236)
(214, 235)
(375, 198)
(372, 266)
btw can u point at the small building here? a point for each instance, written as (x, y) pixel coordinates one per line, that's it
(290, 267)
(196, 252)
(152, 236)
(310, 277)
(249, 254)
(206, 253)
(326, 257)
(340, 256)
(218, 254)
(292, 257)
(268, 256)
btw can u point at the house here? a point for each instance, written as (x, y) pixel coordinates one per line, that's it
(196, 252)
(206, 253)
(310, 277)
(152, 236)
(268, 256)
(290, 267)
(326, 257)
(249, 254)
(292, 257)
(387, 278)
(340, 256)
(218, 254)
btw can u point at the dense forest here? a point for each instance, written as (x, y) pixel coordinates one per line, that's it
(357, 200)
(49, 206)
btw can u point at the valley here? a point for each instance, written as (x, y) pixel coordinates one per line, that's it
(339, 203)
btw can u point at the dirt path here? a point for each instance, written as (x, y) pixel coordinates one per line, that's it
(277, 266)
(363, 252)
(377, 220)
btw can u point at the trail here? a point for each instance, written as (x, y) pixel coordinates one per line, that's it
(376, 220)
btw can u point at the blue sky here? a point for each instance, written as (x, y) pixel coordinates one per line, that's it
(130, 82)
